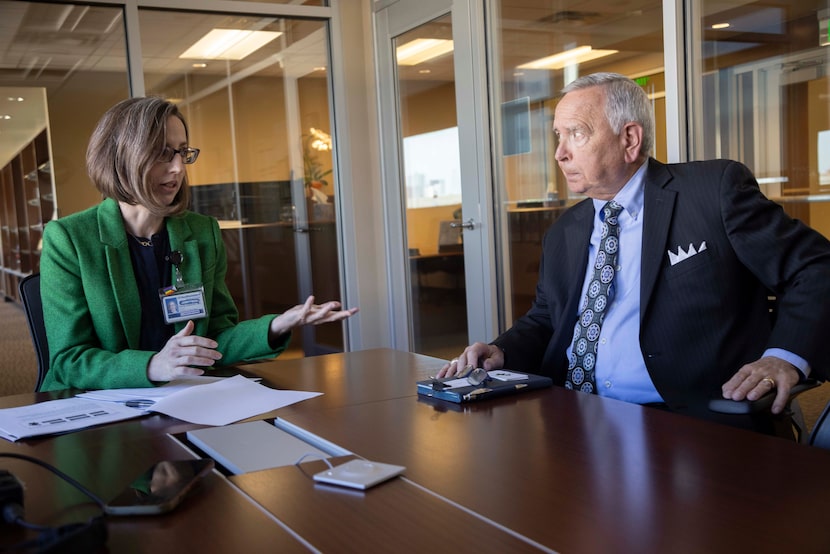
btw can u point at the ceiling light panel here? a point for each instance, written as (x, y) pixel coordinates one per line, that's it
(228, 44)
(421, 50)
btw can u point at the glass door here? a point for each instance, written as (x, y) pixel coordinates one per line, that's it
(432, 177)
(432, 185)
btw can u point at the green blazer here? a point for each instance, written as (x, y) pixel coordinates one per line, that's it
(91, 307)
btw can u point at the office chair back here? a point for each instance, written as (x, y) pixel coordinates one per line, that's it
(30, 295)
(820, 435)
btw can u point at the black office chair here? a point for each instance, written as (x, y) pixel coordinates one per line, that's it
(29, 289)
(765, 402)
(820, 435)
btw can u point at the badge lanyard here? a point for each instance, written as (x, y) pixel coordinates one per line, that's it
(182, 301)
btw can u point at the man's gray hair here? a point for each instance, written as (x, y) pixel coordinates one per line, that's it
(626, 102)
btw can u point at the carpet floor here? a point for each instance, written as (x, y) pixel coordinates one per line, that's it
(18, 363)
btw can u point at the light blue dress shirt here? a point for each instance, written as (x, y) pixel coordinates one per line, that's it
(620, 370)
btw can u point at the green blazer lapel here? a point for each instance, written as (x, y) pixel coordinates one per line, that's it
(183, 240)
(120, 267)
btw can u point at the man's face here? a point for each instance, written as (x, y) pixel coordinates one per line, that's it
(591, 157)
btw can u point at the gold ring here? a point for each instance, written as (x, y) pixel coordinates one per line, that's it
(769, 380)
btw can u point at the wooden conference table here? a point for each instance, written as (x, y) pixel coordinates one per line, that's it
(549, 470)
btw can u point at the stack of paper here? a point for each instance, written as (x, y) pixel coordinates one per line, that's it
(211, 401)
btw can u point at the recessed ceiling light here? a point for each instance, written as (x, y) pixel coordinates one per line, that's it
(421, 50)
(573, 56)
(229, 44)
(424, 71)
(720, 26)
(199, 65)
(5, 116)
(15, 99)
(320, 68)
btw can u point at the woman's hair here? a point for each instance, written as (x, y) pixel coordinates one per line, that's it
(625, 102)
(127, 142)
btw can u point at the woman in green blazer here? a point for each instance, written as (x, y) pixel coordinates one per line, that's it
(103, 270)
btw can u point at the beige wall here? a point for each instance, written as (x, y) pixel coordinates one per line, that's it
(260, 126)
(74, 110)
(261, 140)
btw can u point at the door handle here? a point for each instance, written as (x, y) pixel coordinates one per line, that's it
(469, 224)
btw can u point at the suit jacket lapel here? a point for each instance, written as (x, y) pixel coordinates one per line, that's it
(579, 232)
(658, 207)
(122, 279)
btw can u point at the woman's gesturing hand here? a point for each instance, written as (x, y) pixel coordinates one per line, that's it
(309, 314)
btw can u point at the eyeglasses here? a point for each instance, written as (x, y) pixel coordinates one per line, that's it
(188, 155)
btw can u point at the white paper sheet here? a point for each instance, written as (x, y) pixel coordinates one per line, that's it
(226, 401)
(203, 400)
(149, 393)
(60, 416)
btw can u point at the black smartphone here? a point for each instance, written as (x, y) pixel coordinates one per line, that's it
(160, 488)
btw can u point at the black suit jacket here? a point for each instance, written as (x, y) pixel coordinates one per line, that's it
(702, 318)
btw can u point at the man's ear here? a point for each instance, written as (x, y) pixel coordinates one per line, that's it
(632, 139)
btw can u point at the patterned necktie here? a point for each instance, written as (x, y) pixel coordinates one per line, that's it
(592, 310)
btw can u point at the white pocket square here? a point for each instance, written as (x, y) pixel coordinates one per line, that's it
(685, 254)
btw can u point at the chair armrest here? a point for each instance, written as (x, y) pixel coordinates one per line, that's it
(726, 406)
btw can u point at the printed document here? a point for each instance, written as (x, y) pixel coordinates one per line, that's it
(60, 416)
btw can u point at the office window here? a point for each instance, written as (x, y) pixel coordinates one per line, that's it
(541, 47)
(762, 97)
(433, 173)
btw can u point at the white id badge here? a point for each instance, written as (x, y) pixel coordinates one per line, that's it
(183, 303)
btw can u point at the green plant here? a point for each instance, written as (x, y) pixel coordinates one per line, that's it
(313, 172)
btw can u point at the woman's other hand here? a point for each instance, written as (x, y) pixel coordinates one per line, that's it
(309, 314)
(180, 353)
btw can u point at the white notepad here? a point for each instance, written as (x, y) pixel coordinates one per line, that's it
(255, 445)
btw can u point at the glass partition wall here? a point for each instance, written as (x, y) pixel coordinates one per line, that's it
(756, 88)
(260, 115)
(761, 88)
(538, 48)
(59, 64)
(255, 92)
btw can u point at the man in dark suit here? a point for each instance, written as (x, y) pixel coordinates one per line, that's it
(699, 250)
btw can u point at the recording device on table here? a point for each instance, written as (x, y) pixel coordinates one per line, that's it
(479, 384)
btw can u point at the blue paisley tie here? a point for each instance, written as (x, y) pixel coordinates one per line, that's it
(592, 310)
